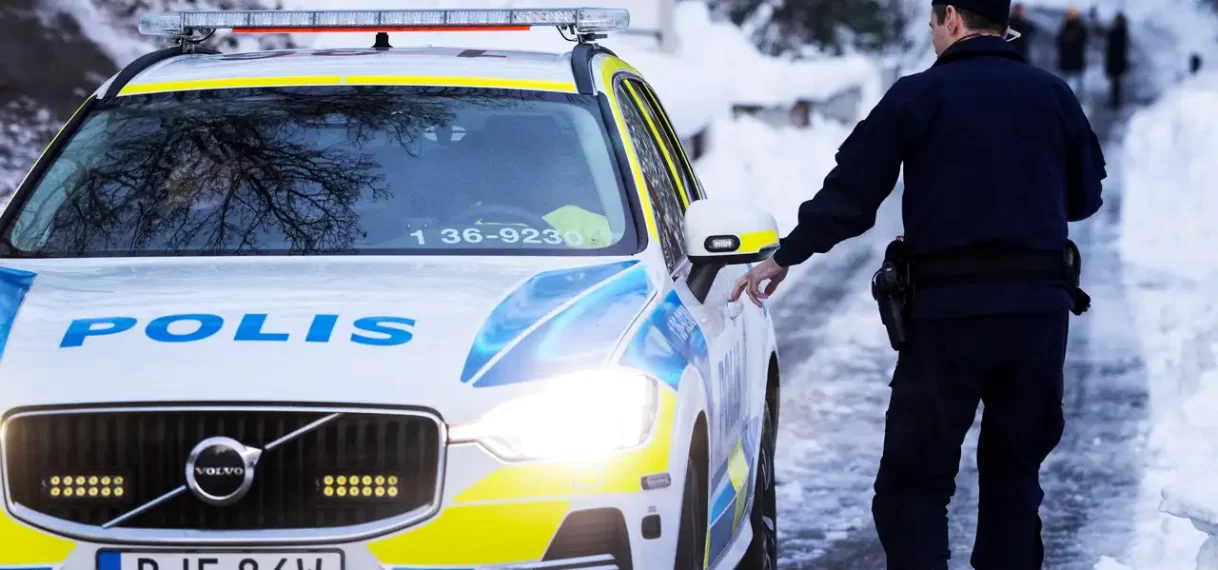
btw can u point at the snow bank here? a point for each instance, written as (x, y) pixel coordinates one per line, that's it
(777, 169)
(1169, 207)
(1170, 174)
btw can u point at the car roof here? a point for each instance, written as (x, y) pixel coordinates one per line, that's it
(363, 66)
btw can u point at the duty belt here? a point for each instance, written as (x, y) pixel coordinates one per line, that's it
(982, 266)
(974, 267)
(903, 274)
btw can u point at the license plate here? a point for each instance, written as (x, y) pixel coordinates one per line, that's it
(220, 560)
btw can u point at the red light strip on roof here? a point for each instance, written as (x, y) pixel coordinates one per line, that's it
(338, 30)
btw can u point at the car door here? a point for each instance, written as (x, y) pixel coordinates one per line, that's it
(674, 188)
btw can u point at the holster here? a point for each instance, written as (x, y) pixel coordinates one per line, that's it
(1074, 274)
(890, 289)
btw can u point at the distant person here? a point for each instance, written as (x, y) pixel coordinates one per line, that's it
(1021, 24)
(1116, 57)
(1072, 51)
(1194, 63)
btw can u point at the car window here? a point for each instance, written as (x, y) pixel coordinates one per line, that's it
(331, 170)
(661, 188)
(669, 136)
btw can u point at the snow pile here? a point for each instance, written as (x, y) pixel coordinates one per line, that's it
(776, 169)
(1171, 175)
(1168, 241)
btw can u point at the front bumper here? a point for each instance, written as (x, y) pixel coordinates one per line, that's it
(593, 530)
(551, 515)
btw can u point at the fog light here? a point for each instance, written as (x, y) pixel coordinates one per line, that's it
(87, 487)
(357, 486)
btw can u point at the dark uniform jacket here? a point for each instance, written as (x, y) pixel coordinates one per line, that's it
(996, 153)
(1072, 47)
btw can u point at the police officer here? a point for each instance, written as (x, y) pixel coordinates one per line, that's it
(998, 157)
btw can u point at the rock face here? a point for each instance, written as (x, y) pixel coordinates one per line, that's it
(57, 52)
(49, 67)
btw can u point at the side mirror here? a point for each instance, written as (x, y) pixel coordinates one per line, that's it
(719, 233)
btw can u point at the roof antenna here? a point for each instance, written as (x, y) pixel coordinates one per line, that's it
(382, 41)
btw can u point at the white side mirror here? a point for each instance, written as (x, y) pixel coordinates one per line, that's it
(725, 232)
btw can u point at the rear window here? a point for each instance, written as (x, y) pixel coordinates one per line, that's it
(330, 170)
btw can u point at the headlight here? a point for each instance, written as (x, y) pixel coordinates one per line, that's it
(584, 415)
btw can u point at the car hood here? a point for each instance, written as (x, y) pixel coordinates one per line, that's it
(451, 334)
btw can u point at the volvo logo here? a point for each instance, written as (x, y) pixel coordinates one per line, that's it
(220, 470)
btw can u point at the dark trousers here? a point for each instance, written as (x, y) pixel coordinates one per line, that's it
(1014, 364)
(1114, 98)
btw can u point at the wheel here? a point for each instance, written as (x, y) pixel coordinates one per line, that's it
(691, 536)
(763, 552)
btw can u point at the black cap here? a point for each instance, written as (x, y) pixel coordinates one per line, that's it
(998, 11)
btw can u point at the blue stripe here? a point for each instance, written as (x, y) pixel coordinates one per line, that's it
(668, 342)
(528, 304)
(726, 498)
(578, 338)
(14, 284)
(721, 534)
(109, 561)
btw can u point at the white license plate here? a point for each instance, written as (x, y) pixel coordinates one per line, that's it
(220, 560)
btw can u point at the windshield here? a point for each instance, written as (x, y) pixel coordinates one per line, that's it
(330, 170)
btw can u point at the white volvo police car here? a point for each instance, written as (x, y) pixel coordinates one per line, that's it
(381, 308)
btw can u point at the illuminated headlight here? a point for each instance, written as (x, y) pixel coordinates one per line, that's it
(584, 415)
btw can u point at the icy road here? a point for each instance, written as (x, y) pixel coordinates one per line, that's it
(837, 364)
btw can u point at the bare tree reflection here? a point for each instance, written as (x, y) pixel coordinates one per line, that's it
(244, 171)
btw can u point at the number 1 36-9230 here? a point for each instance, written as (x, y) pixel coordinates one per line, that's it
(508, 235)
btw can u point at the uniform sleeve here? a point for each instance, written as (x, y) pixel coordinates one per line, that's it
(1087, 168)
(868, 165)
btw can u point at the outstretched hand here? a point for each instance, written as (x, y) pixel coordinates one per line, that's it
(750, 282)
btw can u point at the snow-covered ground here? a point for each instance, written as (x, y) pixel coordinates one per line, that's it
(1169, 242)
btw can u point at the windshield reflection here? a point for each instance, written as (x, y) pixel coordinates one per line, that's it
(290, 171)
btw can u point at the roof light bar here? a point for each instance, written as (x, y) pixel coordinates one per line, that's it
(184, 24)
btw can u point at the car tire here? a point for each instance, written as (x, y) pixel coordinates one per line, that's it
(691, 534)
(763, 551)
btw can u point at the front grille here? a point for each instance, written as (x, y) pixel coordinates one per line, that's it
(149, 449)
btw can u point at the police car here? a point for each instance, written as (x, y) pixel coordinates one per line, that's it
(381, 308)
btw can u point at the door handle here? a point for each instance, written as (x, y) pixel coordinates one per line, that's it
(735, 309)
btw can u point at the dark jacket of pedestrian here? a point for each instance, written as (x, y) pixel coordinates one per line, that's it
(1027, 31)
(982, 136)
(1116, 54)
(1072, 46)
